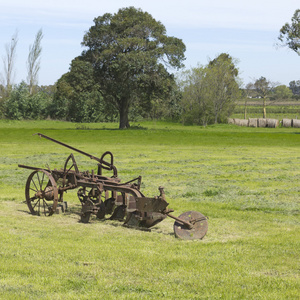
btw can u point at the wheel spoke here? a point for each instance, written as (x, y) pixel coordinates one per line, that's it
(41, 193)
(44, 206)
(32, 198)
(32, 180)
(38, 177)
(36, 203)
(42, 181)
(33, 190)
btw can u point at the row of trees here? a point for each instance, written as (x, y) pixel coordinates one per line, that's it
(126, 71)
(267, 90)
(192, 102)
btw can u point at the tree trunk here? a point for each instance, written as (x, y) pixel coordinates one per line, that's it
(245, 110)
(216, 118)
(123, 110)
(264, 109)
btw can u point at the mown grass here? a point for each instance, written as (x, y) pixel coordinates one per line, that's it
(246, 180)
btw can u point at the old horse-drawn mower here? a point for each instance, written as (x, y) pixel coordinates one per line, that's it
(101, 195)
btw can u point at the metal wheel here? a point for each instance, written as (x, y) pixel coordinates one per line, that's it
(198, 230)
(41, 193)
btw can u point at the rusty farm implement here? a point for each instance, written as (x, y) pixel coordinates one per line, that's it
(105, 196)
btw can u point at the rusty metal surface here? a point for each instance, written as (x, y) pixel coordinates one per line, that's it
(101, 195)
(198, 229)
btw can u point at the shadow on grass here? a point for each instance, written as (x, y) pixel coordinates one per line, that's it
(25, 211)
(84, 127)
(75, 212)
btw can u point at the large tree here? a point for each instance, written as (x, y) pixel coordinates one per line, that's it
(223, 85)
(210, 93)
(290, 33)
(131, 55)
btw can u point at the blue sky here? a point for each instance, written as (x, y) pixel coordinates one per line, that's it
(246, 31)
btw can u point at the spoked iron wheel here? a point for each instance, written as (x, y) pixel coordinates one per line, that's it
(41, 193)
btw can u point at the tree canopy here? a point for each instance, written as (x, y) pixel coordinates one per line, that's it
(295, 87)
(78, 97)
(131, 54)
(290, 33)
(263, 88)
(209, 93)
(282, 92)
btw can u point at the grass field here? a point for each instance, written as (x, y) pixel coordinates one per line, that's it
(246, 180)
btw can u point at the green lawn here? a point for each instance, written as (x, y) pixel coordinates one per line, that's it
(246, 180)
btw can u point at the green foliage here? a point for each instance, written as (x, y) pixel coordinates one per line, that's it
(290, 33)
(21, 105)
(194, 102)
(2, 101)
(263, 87)
(168, 108)
(209, 93)
(282, 92)
(223, 88)
(129, 52)
(78, 97)
(295, 87)
(16, 104)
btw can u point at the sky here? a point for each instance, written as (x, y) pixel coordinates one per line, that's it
(247, 31)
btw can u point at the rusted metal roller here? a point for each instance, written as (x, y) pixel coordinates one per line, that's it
(197, 230)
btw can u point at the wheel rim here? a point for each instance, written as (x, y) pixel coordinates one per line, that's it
(41, 193)
(198, 230)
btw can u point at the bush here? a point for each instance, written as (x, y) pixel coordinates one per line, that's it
(21, 105)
